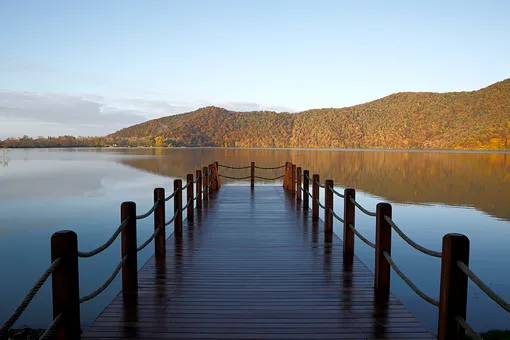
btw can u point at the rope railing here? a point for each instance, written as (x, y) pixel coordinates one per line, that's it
(172, 219)
(319, 203)
(234, 167)
(106, 283)
(236, 178)
(148, 213)
(187, 204)
(455, 247)
(336, 192)
(336, 216)
(64, 245)
(411, 242)
(106, 244)
(28, 298)
(49, 332)
(409, 282)
(320, 185)
(469, 330)
(270, 168)
(168, 198)
(361, 237)
(490, 293)
(270, 179)
(360, 207)
(149, 240)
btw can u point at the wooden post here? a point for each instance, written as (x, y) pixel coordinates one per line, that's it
(211, 178)
(328, 206)
(383, 243)
(215, 178)
(299, 181)
(189, 197)
(289, 176)
(454, 287)
(199, 189)
(306, 190)
(285, 177)
(159, 222)
(129, 245)
(205, 183)
(218, 173)
(294, 178)
(178, 207)
(65, 284)
(252, 178)
(349, 218)
(315, 196)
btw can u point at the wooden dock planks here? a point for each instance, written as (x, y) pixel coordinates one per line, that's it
(252, 265)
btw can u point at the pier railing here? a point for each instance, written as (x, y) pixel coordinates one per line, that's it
(454, 255)
(64, 270)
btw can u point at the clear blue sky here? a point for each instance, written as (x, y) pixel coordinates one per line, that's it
(90, 67)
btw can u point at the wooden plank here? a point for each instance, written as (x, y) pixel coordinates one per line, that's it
(254, 265)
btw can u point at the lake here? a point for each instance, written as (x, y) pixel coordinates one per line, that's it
(432, 193)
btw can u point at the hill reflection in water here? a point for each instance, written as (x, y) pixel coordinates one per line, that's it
(479, 180)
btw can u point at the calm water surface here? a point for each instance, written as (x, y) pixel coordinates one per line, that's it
(433, 193)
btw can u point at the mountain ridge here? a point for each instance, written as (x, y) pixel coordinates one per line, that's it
(477, 120)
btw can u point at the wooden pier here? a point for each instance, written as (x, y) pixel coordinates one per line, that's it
(254, 262)
(253, 265)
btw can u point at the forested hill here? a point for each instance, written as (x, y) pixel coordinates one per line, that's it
(476, 120)
(457, 120)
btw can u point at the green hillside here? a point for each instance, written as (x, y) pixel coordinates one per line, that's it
(457, 120)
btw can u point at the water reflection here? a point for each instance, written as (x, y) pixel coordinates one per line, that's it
(42, 191)
(479, 180)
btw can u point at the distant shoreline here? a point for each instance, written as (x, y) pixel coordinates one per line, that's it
(255, 148)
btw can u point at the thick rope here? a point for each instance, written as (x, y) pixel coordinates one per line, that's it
(409, 283)
(196, 179)
(187, 205)
(49, 332)
(238, 178)
(361, 237)
(148, 213)
(469, 330)
(369, 213)
(234, 167)
(490, 293)
(171, 196)
(156, 232)
(308, 178)
(320, 185)
(106, 244)
(172, 219)
(186, 186)
(319, 203)
(309, 194)
(106, 283)
(336, 192)
(28, 298)
(411, 242)
(270, 168)
(269, 179)
(336, 216)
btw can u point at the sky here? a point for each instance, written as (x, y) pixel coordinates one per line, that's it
(92, 67)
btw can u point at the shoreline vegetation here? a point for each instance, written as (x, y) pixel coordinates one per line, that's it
(475, 120)
(111, 147)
